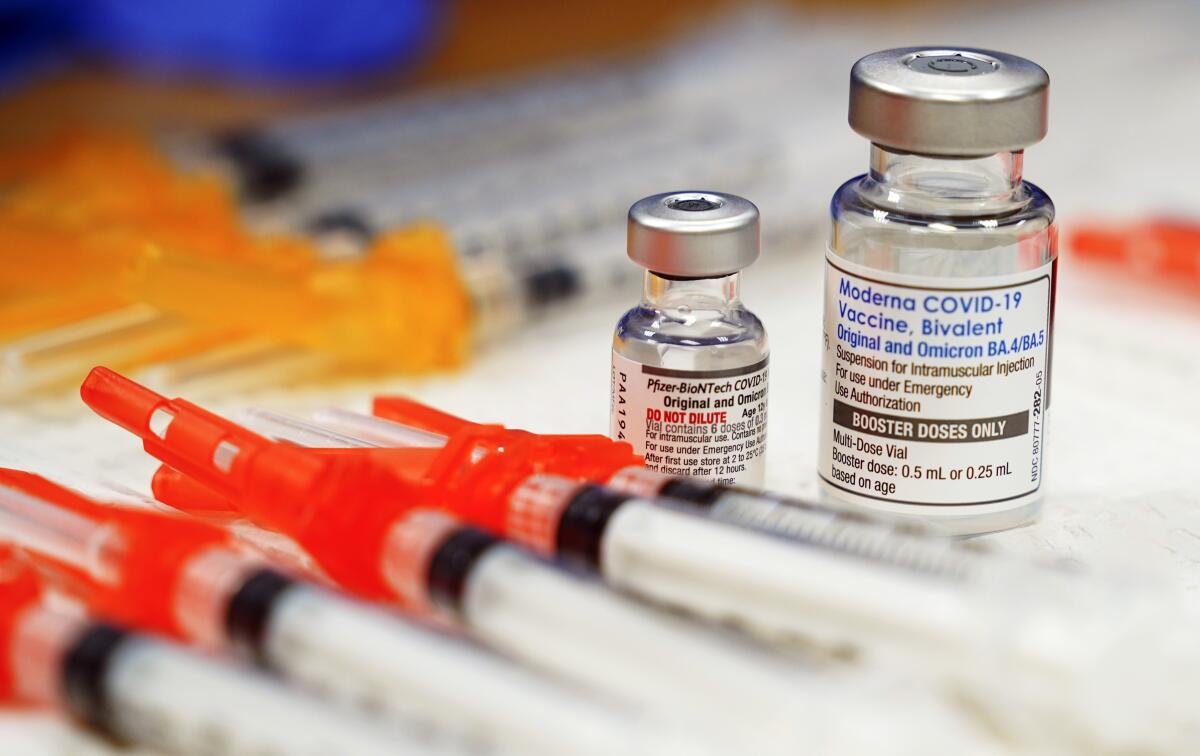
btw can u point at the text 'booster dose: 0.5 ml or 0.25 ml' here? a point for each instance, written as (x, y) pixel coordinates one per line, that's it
(939, 294)
(689, 362)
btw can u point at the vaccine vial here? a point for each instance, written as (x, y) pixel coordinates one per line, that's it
(689, 362)
(939, 294)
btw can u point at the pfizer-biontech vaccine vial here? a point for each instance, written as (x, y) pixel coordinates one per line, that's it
(689, 363)
(939, 294)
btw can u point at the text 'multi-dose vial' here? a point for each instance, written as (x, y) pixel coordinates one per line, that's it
(939, 294)
(689, 363)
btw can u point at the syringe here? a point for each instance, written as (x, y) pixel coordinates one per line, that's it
(402, 422)
(487, 118)
(987, 624)
(662, 550)
(847, 702)
(346, 508)
(181, 577)
(152, 693)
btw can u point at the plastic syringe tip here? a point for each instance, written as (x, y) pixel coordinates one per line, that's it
(178, 491)
(120, 400)
(401, 409)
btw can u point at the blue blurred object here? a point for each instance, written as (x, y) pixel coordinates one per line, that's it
(32, 37)
(260, 39)
(254, 40)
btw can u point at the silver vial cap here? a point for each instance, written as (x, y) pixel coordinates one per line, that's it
(951, 101)
(693, 234)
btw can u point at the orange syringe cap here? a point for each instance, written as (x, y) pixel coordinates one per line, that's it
(1162, 248)
(123, 563)
(481, 465)
(337, 506)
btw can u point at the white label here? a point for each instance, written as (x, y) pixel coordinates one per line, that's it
(934, 395)
(703, 424)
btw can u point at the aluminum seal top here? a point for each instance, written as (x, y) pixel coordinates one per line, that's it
(694, 234)
(951, 101)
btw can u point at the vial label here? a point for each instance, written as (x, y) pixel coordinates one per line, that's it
(934, 395)
(698, 423)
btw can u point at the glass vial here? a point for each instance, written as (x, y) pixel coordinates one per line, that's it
(689, 362)
(939, 294)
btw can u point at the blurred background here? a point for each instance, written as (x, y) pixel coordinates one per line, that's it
(311, 202)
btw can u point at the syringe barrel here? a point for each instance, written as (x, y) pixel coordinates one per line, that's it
(875, 537)
(575, 629)
(156, 694)
(377, 430)
(419, 675)
(675, 556)
(643, 482)
(279, 426)
(181, 702)
(776, 588)
(578, 630)
(227, 598)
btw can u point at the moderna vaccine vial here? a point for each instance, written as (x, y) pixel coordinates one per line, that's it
(939, 294)
(689, 362)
